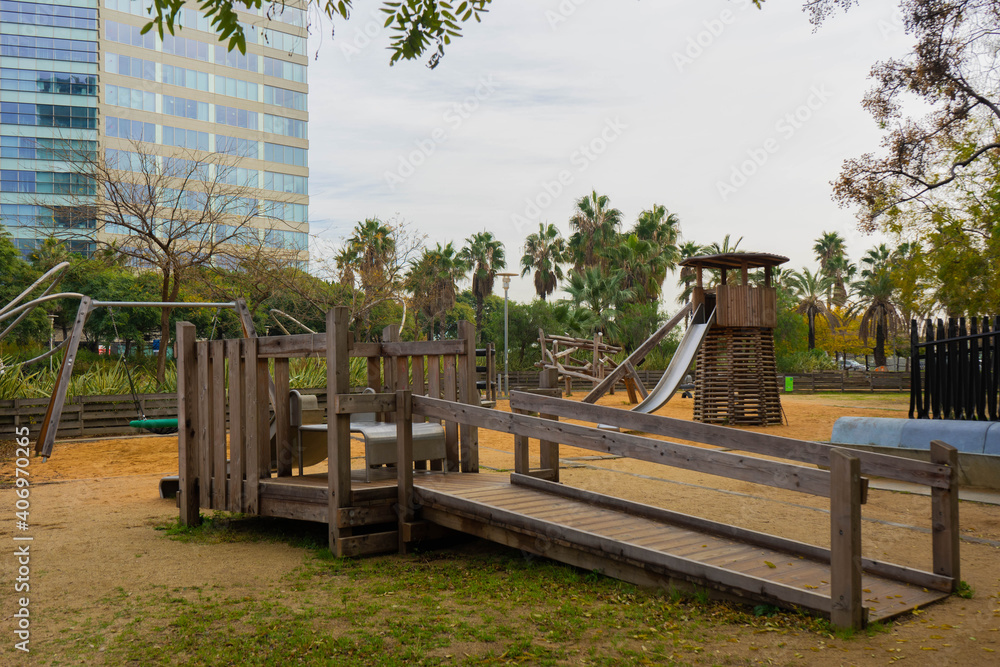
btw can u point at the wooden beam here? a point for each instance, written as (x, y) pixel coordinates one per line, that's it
(218, 427)
(944, 516)
(846, 610)
(816, 453)
(347, 404)
(404, 462)
(636, 357)
(187, 420)
(689, 457)
(282, 419)
(50, 423)
(338, 381)
(468, 433)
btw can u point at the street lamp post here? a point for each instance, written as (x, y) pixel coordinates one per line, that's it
(506, 354)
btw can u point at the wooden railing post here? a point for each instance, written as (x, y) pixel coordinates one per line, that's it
(187, 415)
(846, 610)
(390, 334)
(944, 516)
(282, 420)
(548, 452)
(404, 463)
(469, 435)
(338, 381)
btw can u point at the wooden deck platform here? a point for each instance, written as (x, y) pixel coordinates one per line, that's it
(641, 544)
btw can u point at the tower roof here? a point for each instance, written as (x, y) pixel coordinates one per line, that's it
(735, 260)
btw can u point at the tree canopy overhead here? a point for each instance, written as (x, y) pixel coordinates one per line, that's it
(417, 26)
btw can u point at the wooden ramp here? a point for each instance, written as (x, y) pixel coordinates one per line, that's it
(658, 549)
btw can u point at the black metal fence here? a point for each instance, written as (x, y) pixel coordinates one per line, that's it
(961, 364)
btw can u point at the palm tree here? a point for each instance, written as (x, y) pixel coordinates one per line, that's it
(878, 309)
(662, 229)
(810, 289)
(686, 280)
(876, 260)
(485, 258)
(830, 253)
(595, 225)
(347, 262)
(601, 293)
(543, 254)
(841, 273)
(432, 283)
(374, 244)
(641, 266)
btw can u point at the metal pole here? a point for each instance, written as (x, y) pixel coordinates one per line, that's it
(506, 352)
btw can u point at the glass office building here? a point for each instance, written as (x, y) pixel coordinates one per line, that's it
(78, 76)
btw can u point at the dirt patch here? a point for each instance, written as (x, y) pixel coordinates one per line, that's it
(94, 505)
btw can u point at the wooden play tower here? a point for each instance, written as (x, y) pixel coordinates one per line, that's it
(735, 377)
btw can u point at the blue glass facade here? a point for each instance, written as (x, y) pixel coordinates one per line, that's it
(78, 77)
(48, 115)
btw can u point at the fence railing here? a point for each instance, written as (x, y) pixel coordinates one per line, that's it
(961, 369)
(843, 381)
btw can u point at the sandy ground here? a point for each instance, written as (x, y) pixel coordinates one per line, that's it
(94, 503)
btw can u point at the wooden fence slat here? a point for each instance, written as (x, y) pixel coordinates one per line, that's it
(404, 462)
(205, 426)
(187, 440)
(217, 437)
(282, 419)
(450, 427)
(255, 404)
(237, 442)
(468, 433)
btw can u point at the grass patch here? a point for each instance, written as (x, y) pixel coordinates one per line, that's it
(477, 603)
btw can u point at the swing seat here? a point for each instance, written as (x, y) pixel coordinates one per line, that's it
(157, 426)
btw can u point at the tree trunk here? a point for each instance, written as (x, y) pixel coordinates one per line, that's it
(479, 316)
(879, 344)
(812, 330)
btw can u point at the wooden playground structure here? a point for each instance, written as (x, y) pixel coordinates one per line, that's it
(427, 384)
(587, 359)
(735, 375)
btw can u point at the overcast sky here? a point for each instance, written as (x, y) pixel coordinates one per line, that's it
(736, 119)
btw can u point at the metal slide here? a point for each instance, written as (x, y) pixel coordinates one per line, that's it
(679, 364)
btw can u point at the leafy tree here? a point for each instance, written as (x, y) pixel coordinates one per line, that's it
(484, 257)
(431, 282)
(544, 252)
(809, 289)
(17, 274)
(595, 224)
(947, 72)
(601, 293)
(661, 229)
(417, 26)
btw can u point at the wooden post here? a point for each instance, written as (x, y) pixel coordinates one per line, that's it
(204, 426)
(944, 516)
(237, 380)
(846, 610)
(254, 404)
(469, 435)
(450, 427)
(187, 419)
(50, 423)
(338, 381)
(548, 452)
(218, 429)
(265, 387)
(390, 334)
(282, 420)
(404, 462)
